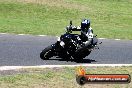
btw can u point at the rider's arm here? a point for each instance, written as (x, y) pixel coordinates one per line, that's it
(76, 28)
(90, 34)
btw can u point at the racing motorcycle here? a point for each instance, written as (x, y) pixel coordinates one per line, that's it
(67, 47)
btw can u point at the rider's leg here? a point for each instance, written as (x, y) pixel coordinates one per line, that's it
(88, 42)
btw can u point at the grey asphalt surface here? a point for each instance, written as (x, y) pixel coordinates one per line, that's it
(24, 50)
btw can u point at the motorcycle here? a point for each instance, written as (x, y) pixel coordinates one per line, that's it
(68, 47)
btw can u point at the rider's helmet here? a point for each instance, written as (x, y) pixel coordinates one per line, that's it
(85, 24)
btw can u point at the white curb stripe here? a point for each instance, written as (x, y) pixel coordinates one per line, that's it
(101, 38)
(42, 35)
(55, 36)
(117, 39)
(21, 34)
(3, 33)
(2, 68)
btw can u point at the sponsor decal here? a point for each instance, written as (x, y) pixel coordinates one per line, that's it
(83, 78)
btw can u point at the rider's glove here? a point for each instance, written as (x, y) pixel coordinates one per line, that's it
(69, 28)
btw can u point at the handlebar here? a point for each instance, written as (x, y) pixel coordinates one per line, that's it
(71, 28)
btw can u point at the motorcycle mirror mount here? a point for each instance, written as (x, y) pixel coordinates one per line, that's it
(70, 22)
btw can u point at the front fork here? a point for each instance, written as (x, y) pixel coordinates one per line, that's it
(61, 51)
(57, 48)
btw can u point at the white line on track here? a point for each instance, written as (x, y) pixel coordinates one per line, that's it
(2, 68)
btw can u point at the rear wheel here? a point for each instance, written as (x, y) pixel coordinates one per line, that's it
(46, 53)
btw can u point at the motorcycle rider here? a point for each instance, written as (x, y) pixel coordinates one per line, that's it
(86, 32)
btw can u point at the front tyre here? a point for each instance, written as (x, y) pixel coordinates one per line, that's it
(46, 53)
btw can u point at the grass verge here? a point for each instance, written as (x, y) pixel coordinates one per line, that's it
(57, 77)
(109, 18)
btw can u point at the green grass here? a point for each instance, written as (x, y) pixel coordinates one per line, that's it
(58, 78)
(109, 18)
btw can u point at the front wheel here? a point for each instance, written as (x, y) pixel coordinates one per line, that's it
(46, 53)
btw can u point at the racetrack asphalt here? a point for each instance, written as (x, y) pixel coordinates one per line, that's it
(24, 50)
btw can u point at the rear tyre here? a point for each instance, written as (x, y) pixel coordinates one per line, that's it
(46, 53)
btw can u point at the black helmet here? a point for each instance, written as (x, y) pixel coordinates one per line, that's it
(85, 24)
